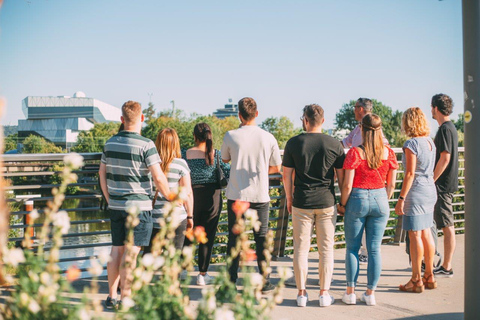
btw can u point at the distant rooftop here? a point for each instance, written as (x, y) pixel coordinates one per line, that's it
(229, 110)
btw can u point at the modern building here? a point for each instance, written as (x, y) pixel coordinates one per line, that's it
(60, 119)
(230, 110)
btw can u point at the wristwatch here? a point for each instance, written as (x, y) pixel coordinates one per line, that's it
(189, 218)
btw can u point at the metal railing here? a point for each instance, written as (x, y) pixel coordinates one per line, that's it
(34, 175)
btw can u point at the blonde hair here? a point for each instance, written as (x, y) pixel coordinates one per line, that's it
(414, 123)
(131, 111)
(372, 140)
(168, 147)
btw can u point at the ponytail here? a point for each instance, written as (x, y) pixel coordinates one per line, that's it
(203, 133)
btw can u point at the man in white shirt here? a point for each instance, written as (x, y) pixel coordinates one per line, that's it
(254, 154)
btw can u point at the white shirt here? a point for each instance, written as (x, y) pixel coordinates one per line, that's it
(251, 151)
(354, 139)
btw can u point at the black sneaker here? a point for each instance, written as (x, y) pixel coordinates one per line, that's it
(110, 303)
(441, 272)
(363, 259)
(268, 287)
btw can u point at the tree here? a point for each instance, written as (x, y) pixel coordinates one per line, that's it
(281, 128)
(94, 139)
(460, 123)
(149, 112)
(391, 121)
(36, 144)
(10, 142)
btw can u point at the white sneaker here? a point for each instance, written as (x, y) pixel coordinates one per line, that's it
(203, 280)
(302, 300)
(349, 298)
(326, 300)
(369, 300)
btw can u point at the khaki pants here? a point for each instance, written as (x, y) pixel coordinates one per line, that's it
(325, 220)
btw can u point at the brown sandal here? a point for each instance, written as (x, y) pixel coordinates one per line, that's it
(416, 288)
(429, 284)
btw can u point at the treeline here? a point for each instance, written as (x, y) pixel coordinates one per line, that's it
(282, 129)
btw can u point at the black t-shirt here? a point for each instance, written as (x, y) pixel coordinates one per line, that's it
(313, 156)
(447, 140)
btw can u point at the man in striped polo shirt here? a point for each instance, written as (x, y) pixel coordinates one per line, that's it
(129, 162)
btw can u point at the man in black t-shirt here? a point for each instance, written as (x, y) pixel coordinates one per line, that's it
(310, 161)
(446, 177)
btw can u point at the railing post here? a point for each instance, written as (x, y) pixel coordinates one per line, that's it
(282, 228)
(26, 218)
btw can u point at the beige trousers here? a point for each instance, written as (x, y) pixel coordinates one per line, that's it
(325, 220)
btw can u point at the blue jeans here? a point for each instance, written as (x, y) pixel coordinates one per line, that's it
(366, 209)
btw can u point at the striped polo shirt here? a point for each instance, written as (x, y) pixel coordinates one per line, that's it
(127, 156)
(177, 169)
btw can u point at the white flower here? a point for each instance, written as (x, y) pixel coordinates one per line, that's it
(158, 263)
(24, 298)
(33, 276)
(14, 256)
(285, 272)
(211, 303)
(183, 194)
(256, 279)
(83, 315)
(251, 214)
(62, 221)
(34, 215)
(133, 210)
(73, 160)
(45, 278)
(278, 299)
(147, 277)
(187, 252)
(104, 257)
(33, 306)
(127, 303)
(224, 314)
(96, 268)
(167, 207)
(147, 260)
(175, 217)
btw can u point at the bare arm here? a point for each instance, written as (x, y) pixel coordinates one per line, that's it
(441, 164)
(347, 186)
(186, 183)
(160, 180)
(340, 176)
(391, 176)
(288, 186)
(274, 169)
(408, 178)
(102, 173)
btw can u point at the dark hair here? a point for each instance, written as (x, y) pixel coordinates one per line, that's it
(366, 104)
(444, 103)
(314, 114)
(203, 133)
(372, 140)
(247, 107)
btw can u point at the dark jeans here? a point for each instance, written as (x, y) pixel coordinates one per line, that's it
(178, 240)
(207, 206)
(262, 211)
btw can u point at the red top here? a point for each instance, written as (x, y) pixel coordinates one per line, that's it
(366, 178)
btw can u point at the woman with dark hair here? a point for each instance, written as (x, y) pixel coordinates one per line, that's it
(417, 198)
(369, 182)
(178, 175)
(203, 161)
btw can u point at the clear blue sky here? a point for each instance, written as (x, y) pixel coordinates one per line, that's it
(285, 54)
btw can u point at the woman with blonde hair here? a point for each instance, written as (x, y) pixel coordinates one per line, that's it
(417, 198)
(178, 176)
(369, 182)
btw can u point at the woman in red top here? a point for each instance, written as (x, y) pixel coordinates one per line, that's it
(369, 182)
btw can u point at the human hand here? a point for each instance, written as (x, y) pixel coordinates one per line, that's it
(340, 209)
(189, 224)
(289, 206)
(399, 208)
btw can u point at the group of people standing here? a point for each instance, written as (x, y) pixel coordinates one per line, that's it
(311, 163)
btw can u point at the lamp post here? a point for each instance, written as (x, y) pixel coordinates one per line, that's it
(471, 83)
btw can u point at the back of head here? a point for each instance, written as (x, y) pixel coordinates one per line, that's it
(366, 104)
(372, 140)
(203, 133)
(444, 103)
(314, 114)
(414, 123)
(168, 147)
(247, 107)
(131, 112)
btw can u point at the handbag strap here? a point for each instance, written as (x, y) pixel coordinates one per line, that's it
(155, 198)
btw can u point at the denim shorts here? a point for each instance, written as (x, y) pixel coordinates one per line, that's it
(141, 233)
